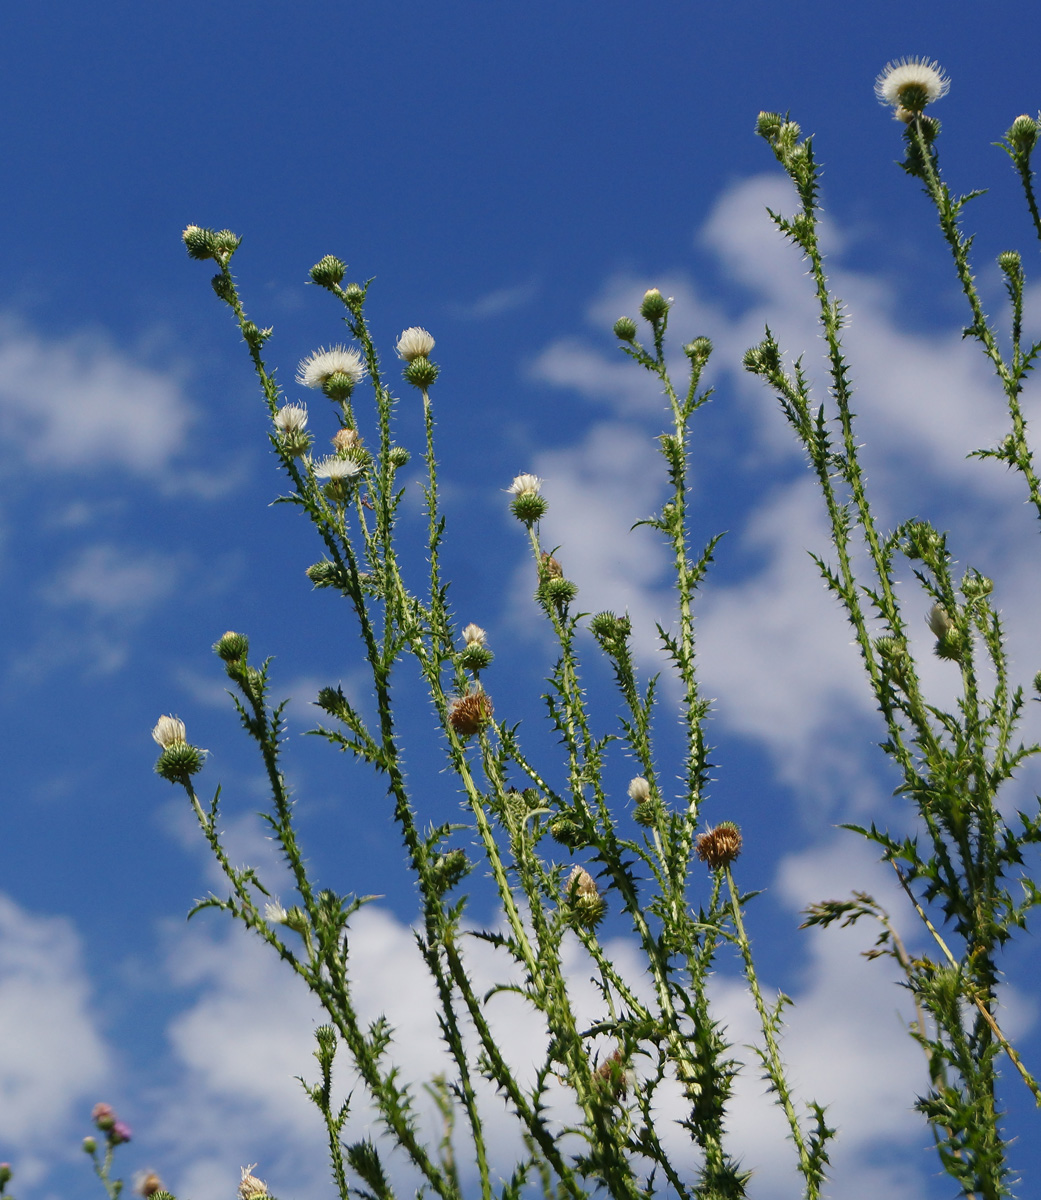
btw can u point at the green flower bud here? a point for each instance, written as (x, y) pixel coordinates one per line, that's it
(232, 647)
(1010, 262)
(559, 591)
(529, 507)
(354, 294)
(398, 456)
(609, 629)
(698, 350)
(225, 244)
(768, 125)
(200, 243)
(179, 761)
(475, 657)
(420, 372)
(223, 286)
(654, 305)
(625, 329)
(327, 574)
(568, 832)
(586, 907)
(254, 336)
(90, 1145)
(1022, 134)
(328, 271)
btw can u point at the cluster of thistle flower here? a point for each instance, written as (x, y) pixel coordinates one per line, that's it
(336, 372)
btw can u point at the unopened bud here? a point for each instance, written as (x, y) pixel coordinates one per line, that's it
(232, 647)
(654, 305)
(625, 329)
(328, 271)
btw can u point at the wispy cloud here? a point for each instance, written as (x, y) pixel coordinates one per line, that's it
(494, 303)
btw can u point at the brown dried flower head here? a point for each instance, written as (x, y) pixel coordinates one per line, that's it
(720, 846)
(614, 1076)
(551, 569)
(468, 714)
(147, 1183)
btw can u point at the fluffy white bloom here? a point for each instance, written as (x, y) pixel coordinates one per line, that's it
(169, 731)
(337, 360)
(525, 483)
(474, 635)
(639, 790)
(414, 343)
(911, 79)
(291, 418)
(335, 467)
(275, 913)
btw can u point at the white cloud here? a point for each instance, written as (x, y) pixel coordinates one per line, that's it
(80, 403)
(53, 1060)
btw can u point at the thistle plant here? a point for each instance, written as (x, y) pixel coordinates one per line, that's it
(575, 845)
(960, 861)
(563, 842)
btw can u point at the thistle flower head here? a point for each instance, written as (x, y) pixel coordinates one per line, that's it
(119, 1133)
(720, 846)
(474, 635)
(147, 1183)
(275, 913)
(291, 418)
(469, 713)
(346, 440)
(639, 790)
(337, 369)
(524, 485)
(586, 904)
(334, 468)
(939, 621)
(414, 343)
(911, 84)
(251, 1188)
(104, 1115)
(168, 731)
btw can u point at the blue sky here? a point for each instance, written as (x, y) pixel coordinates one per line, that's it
(513, 176)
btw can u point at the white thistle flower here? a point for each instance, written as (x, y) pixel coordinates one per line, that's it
(316, 369)
(525, 483)
(474, 635)
(639, 790)
(939, 621)
(414, 343)
(169, 731)
(291, 418)
(251, 1187)
(336, 468)
(911, 83)
(275, 913)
